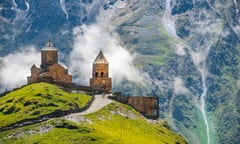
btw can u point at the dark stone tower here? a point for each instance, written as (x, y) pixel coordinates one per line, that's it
(49, 55)
(100, 75)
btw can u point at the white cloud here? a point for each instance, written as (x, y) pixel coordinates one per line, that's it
(88, 41)
(179, 87)
(15, 67)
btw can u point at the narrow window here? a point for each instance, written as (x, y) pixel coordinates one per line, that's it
(102, 74)
(96, 74)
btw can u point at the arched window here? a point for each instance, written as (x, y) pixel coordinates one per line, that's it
(96, 74)
(102, 74)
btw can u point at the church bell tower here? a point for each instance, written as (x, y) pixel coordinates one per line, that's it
(49, 55)
(100, 80)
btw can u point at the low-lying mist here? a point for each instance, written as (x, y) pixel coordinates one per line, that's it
(15, 67)
(88, 41)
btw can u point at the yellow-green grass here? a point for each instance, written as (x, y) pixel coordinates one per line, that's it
(126, 126)
(62, 132)
(114, 124)
(37, 100)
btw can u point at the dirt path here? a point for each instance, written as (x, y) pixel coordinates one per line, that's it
(99, 102)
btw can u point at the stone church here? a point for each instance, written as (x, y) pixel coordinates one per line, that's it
(100, 80)
(50, 70)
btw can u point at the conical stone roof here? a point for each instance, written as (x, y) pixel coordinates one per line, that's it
(100, 59)
(49, 47)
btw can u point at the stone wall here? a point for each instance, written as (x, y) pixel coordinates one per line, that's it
(53, 73)
(57, 73)
(148, 106)
(49, 58)
(101, 80)
(100, 70)
(34, 74)
(101, 84)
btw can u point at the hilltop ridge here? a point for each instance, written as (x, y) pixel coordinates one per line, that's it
(114, 123)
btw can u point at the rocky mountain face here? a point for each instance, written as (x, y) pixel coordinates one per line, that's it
(188, 51)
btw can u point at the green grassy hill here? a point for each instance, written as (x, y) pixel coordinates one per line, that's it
(37, 100)
(114, 124)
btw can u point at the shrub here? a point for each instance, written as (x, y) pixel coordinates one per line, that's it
(10, 110)
(10, 100)
(36, 113)
(27, 103)
(38, 94)
(66, 124)
(52, 104)
(2, 109)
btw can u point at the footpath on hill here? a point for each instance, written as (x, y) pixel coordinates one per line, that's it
(99, 102)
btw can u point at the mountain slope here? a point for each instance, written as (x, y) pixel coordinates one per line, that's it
(112, 124)
(189, 51)
(115, 123)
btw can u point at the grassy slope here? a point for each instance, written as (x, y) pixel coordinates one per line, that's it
(128, 127)
(36, 100)
(115, 123)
